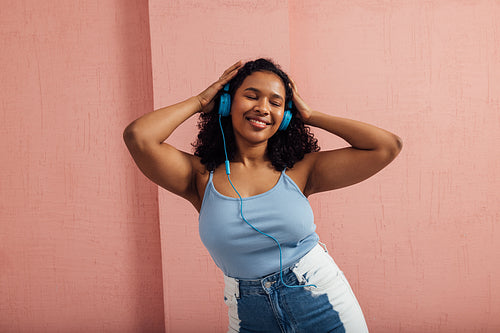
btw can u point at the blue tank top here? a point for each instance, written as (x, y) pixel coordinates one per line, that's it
(241, 252)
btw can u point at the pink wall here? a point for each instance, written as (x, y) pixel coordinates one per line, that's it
(79, 236)
(418, 241)
(192, 43)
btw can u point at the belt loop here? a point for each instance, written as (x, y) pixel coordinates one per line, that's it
(232, 285)
(323, 245)
(237, 289)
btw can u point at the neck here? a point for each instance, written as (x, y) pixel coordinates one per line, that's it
(252, 155)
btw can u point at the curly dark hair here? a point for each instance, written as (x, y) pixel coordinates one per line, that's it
(284, 148)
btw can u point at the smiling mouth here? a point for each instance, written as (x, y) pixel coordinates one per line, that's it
(258, 123)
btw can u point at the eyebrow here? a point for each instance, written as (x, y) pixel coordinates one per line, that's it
(258, 91)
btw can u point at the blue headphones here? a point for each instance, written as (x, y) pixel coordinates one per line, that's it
(225, 108)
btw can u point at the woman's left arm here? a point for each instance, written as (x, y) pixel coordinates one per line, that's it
(372, 149)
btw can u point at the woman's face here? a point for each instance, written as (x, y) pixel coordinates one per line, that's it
(258, 106)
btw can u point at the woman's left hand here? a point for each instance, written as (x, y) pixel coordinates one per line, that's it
(304, 110)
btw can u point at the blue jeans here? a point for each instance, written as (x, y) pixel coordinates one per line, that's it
(266, 305)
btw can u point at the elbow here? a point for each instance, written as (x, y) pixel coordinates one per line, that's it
(132, 137)
(394, 147)
(398, 144)
(129, 134)
(389, 149)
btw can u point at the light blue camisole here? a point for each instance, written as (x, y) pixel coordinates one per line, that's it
(241, 252)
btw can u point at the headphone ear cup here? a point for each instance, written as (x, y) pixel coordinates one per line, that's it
(225, 102)
(287, 116)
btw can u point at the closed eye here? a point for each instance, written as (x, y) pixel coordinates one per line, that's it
(273, 103)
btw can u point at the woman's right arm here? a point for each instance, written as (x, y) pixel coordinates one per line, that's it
(165, 165)
(162, 163)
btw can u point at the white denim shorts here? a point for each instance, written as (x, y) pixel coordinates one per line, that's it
(266, 305)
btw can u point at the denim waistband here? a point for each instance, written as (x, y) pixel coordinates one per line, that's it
(272, 281)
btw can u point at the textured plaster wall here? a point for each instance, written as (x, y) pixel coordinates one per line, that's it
(80, 246)
(193, 42)
(79, 236)
(418, 241)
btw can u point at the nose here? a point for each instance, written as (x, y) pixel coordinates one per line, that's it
(263, 106)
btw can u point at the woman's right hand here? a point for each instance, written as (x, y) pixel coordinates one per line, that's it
(206, 98)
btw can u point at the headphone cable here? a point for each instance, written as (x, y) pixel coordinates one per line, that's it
(228, 172)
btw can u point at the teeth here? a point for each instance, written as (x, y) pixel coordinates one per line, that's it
(257, 122)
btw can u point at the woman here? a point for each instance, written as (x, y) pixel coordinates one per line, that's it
(251, 193)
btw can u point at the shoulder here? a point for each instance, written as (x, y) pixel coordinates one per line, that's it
(301, 171)
(201, 176)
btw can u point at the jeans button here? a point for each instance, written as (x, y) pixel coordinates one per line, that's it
(268, 284)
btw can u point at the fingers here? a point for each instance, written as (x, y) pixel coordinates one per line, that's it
(206, 97)
(293, 85)
(230, 72)
(237, 65)
(298, 101)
